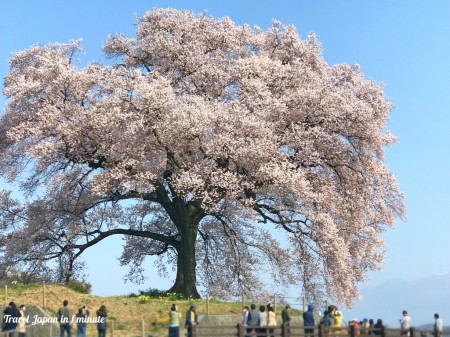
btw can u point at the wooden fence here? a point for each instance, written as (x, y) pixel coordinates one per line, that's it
(287, 330)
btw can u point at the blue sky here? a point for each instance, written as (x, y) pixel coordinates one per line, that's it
(404, 44)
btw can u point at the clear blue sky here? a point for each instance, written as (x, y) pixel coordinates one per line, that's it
(405, 44)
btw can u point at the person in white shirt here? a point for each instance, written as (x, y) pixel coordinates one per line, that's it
(262, 321)
(437, 326)
(405, 323)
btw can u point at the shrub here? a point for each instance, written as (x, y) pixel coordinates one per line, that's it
(121, 326)
(153, 293)
(80, 286)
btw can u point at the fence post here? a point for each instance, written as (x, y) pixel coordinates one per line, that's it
(382, 332)
(43, 295)
(320, 330)
(194, 330)
(411, 332)
(112, 328)
(240, 328)
(143, 328)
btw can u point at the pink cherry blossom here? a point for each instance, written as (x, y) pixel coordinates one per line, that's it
(228, 151)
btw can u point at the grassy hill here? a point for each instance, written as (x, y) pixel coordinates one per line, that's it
(125, 313)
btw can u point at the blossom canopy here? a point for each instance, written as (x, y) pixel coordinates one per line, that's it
(220, 148)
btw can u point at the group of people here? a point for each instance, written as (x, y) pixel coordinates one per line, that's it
(262, 321)
(65, 318)
(14, 320)
(174, 320)
(405, 324)
(332, 321)
(333, 318)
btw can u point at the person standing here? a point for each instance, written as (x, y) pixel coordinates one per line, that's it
(252, 318)
(11, 318)
(286, 319)
(81, 322)
(328, 321)
(271, 319)
(371, 326)
(174, 321)
(437, 326)
(245, 315)
(405, 323)
(378, 327)
(21, 327)
(285, 316)
(101, 321)
(191, 320)
(354, 324)
(325, 322)
(337, 321)
(365, 327)
(65, 319)
(262, 320)
(308, 320)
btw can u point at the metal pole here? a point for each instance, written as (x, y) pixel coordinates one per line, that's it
(275, 303)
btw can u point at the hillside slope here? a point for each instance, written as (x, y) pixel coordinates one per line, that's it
(120, 308)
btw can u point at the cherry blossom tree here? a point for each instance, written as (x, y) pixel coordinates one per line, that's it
(228, 151)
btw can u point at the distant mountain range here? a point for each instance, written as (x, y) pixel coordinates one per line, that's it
(422, 299)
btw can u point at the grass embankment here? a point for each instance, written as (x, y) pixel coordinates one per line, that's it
(127, 312)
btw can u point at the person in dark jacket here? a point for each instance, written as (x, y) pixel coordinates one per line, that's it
(101, 321)
(308, 320)
(378, 327)
(285, 316)
(286, 319)
(81, 323)
(11, 317)
(191, 320)
(252, 318)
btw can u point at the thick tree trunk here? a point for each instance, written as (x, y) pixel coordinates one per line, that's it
(186, 219)
(185, 282)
